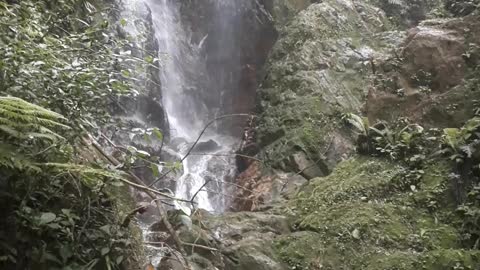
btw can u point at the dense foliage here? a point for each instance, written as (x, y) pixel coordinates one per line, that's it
(58, 199)
(63, 55)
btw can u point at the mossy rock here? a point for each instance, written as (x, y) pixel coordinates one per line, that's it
(305, 250)
(362, 217)
(316, 72)
(451, 259)
(398, 260)
(434, 188)
(381, 224)
(358, 178)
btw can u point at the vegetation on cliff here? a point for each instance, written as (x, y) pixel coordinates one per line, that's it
(62, 207)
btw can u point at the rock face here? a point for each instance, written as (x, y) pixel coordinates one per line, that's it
(234, 39)
(341, 56)
(283, 10)
(236, 241)
(432, 78)
(318, 70)
(264, 189)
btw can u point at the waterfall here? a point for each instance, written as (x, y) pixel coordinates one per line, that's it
(184, 87)
(193, 93)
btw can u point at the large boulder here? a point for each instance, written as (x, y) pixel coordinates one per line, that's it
(318, 69)
(236, 241)
(262, 188)
(432, 79)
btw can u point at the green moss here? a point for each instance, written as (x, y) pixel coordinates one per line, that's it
(359, 178)
(451, 259)
(382, 224)
(306, 250)
(360, 217)
(392, 261)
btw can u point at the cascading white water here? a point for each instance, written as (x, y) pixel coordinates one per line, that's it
(186, 112)
(186, 85)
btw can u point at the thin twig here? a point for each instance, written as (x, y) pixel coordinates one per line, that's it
(198, 191)
(200, 246)
(198, 139)
(87, 220)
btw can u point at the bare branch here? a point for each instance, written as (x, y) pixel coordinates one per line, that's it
(198, 191)
(198, 139)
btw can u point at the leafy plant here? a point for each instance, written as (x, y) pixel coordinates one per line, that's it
(396, 143)
(461, 143)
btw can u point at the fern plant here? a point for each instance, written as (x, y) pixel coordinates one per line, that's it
(22, 120)
(25, 128)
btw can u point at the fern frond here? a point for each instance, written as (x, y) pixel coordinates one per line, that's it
(21, 106)
(87, 170)
(23, 120)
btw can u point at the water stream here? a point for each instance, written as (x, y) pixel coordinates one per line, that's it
(185, 86)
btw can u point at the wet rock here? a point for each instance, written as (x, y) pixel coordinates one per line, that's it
(243, 240)
(178, 143)
(263, 189)
(147, 104)
(405, 14)
(234, 39)
(306, 167)
(206, 147)
(283, 10)
(461, 7)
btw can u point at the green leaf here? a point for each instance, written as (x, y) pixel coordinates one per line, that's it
(66, 253)
(452, 137)
(361, 124)
(149, 59)
(143, 153)
(155, 170)
(119, 260)
(126, 73)
(47, 218)
(105, 251)
(186, 221)
(91, 264)
(123, 22)
(106, 229)
(158, 134)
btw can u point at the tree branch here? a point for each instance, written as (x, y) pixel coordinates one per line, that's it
(198, 139)
(150, 192)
